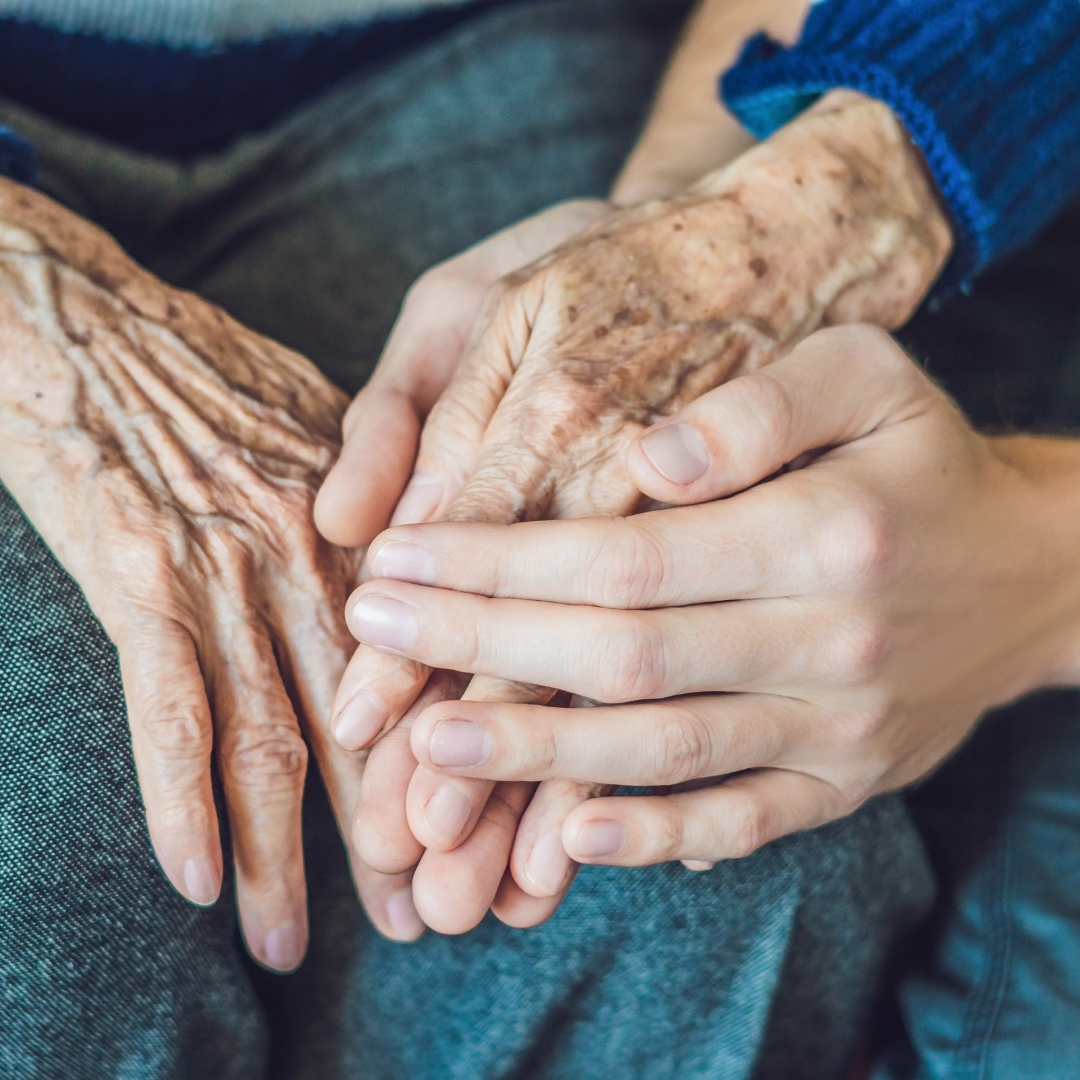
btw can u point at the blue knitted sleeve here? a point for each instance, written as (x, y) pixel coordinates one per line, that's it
(988, 89)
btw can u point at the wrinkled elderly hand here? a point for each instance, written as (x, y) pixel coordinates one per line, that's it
(832, 220)
(170, 459)
(782, 654)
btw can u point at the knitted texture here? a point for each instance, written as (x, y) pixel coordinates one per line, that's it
(989, 90)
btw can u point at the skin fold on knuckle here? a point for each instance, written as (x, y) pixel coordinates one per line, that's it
(681, 746)
(628, 569)
(177, 735)
(664, 838)
(268, 761)
(748, 828)
(767, 416)
(626, 661)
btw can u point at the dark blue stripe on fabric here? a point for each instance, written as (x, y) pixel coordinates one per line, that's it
(17, 158)
(988, 89)
(180, 101)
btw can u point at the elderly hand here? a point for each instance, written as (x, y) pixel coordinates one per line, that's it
(779, 655)
(831, 220)
(170, 458)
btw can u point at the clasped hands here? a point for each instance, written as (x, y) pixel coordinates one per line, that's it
(568, 363)
(171, 458)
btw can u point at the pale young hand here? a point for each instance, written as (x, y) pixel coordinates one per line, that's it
(170, 458)
(778, 655)
(830, 220)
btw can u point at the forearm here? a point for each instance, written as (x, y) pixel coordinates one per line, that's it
(689, 132)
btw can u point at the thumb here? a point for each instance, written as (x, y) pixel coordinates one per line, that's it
(355, 500)
(836, 386)
(424, 351)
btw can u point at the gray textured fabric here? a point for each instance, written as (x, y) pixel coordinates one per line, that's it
(311, 232)
(204, 23)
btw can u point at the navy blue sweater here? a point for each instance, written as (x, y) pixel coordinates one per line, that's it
(988, 89)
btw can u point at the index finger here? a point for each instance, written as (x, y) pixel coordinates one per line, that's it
(649, 560)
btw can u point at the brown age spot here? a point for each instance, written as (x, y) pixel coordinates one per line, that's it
(600, 332)
(571, 313)
(676, 227)
(173, 309)
(621, 316)
(759, 266)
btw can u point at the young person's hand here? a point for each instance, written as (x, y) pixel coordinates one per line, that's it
(775, 654)
(831, 220)
(170, 458)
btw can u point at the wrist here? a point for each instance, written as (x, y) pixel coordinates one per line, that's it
(852, 193)
(1045, 516)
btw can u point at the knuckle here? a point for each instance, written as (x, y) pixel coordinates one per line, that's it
(179, 734)
(545, 752)
(749, 829)
(628, 662)
(767, 402)
(434, 287)
(682, 748)
(628, 570)
(268, 761)
(855, 546)
(857, 652)
(669, 836)
(881, 347)
(862, 726)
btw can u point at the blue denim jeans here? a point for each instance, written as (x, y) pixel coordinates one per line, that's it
(995, 994)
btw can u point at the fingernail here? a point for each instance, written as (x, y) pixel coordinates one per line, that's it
(548, 864)
(284, 948)
(361, 718)
(600, 838)
(677, 452)
(406, 562)
(402, 915)
(447, 813)
(420, 499)
(201, 885)
(459, 743)
(699, 866)
(384, 623)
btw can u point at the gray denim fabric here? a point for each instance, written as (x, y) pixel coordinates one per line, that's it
(311, 232)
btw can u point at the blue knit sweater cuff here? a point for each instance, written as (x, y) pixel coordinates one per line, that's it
(17, 160)
(989, 90)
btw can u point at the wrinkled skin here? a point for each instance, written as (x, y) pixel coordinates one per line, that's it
(830, 221)
(170, 459)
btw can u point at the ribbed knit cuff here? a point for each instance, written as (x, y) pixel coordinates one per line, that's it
(989, 91)
(17, 159)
